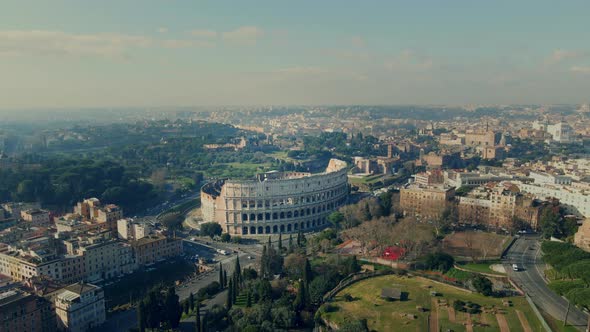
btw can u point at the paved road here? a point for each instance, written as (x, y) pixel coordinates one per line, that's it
(526, 252)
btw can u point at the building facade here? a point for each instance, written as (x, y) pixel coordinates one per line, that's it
(24, 312)
(80, 307)
(426, 203)
(154, 248)
(276, 202)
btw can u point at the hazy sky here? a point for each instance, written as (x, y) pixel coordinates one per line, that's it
(87, 53)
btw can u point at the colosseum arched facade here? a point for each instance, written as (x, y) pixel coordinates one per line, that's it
(276, 202)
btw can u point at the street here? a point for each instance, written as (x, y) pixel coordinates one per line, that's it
(526, 252)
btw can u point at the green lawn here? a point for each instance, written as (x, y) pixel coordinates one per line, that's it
(382, 315)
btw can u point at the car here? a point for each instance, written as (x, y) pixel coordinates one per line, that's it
(250, 257)
(516, 267)
(531, 248)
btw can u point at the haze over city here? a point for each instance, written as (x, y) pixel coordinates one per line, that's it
(72, 54)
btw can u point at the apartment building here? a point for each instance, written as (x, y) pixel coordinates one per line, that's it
(80, 307)
(36, 217)
(24, 312)
(154, 248)
(426, 203)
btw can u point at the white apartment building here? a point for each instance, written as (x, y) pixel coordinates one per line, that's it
(546, 178)
(128, 229)
(105, 259)
(575, 200)
(80, 307)
(561, 132)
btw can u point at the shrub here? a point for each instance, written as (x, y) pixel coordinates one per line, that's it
(563, 287)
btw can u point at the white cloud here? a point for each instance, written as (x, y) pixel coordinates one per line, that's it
(59, 43)
(162, 30)
(408, 60)
(203, 33)
(580, 69)
(246, 35)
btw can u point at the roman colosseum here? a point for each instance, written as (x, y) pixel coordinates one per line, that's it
(276, 202)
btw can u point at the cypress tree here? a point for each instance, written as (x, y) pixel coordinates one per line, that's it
(204, 323)
(291, 243)
(221, 275)
(224, 279)
(191, 301)
(307, 273)
(198, 317)
(280, 246)
(230, 296)
(248, 300)
(141, 317)
(263, 260)
(236, 288)
(238, 270)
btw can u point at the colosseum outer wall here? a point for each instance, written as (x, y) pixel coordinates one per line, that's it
(276, 202)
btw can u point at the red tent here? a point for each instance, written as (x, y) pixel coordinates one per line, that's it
(393, 253)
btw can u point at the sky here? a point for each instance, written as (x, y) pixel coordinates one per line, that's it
(166, 53)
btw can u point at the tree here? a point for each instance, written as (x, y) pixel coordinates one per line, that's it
(248, 300)
(291, 249)
(482, 285)
(191, 301)
(211, 229)
(224, 279)
(439, 261)
(367, 212)
(225, 237)
(141, 318)
(172, 309)
(198, 318)
(299, 238)
(549, 223)
(335, 218)
(172, 221)
(280, 245)
(238, 270)
(230, 295)
(221, 275)
(185, 307)
(301, 300)
(307, 272)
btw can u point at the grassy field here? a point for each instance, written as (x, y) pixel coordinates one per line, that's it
(382, 315)
(480, 245)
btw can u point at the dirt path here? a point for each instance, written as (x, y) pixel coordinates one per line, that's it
(524, 322)
(502, 323)
(452, 317)
(469, 324)
(484, 318)
(434, 316)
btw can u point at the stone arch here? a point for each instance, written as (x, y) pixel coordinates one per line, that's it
(289, 214)
(295, 226)
(252, 217)
(275, 216)
(252, 230)
(282, 228)
(288, 227)
(245, 230)
(302, 225)
(296, 214)
(267, 231)
(282, 215)
(275, 229)
(244, 217)
(260, 230)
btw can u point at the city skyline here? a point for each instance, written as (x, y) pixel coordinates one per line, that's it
(179, 53)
